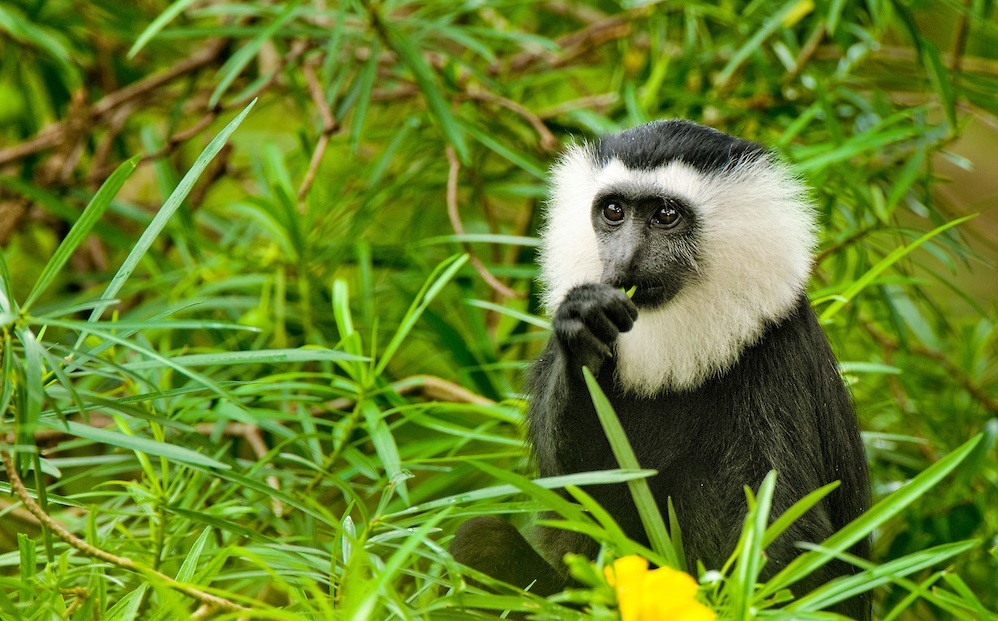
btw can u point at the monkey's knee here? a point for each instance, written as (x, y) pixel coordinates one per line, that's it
(497, 549)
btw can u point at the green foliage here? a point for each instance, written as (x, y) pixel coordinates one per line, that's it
(271, 352)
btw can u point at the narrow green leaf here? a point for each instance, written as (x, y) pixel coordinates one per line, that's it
(896, 255)
(676, 534)
(93, 212)
(427, 83)
(33, 371)
(158, 24)
(602, 477)
(366, 81)
(795, 512)
(127, 608)
(749, 551)
(862, 526)
(533, 320)
(846, 587)
(228, 72)
(396, 561)
(28, 565)
(260, 356)
(190, 564)
(774, 23)
(163, 216)
(134, 443)
(515, 156)
(651, 517)
(434, 284)
(384, 445)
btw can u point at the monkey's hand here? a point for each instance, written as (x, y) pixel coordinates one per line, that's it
(588, 321)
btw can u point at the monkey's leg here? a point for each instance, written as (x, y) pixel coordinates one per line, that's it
(496, 548)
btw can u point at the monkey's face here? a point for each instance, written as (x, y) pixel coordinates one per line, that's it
(714, 233)
(647, 241)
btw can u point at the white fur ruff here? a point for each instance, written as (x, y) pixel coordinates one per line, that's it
(757, 235)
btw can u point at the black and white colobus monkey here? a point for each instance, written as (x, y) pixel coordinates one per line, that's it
(716, 367)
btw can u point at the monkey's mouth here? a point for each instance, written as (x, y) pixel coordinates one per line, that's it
(648, 295)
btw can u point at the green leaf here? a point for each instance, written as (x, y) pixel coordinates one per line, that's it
(260, 356)
(862, 526)
(135, 443)
(228, 72)
(434, 284)
(601, 477)
(89, 217)
(412, 58)
(651, 517)
(774, 23)
(127, 608)
(896, 255)
(795, 512)
(190, 564)
(846, 587)
(28, 565)
(162, 217)
(158, 24)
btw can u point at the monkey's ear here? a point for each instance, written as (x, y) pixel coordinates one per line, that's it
(497, 549)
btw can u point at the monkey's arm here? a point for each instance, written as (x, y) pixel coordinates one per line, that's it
(563, 427)
(584, 330)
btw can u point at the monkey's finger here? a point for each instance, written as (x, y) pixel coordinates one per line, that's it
(622, 313)
(579, 341)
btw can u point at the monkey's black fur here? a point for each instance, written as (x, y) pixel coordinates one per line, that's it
(781, 405)
(653, 144)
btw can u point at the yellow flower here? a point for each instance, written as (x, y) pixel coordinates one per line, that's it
(662, 594)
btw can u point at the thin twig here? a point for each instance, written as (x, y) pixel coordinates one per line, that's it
(548, 141)
(329, 127)
(56, 133)
(455, 220)
(960, 39)
(430, 386)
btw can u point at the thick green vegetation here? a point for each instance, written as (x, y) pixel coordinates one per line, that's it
(267, 291)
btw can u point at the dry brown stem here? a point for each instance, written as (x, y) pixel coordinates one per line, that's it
(455, 220)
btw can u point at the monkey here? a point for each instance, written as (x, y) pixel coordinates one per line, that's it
(716, 366)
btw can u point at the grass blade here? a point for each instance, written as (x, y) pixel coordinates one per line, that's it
(158, 24)
(896, 255)
(89, 217)
(651, 517)
(172, 452)
(434, 284)
(427, 83)
(866, 523)
(163, 216)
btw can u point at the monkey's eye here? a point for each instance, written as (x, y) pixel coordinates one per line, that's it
(613, 212)
(667, 216)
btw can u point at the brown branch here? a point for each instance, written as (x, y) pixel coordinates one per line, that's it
(430, 386)
(977, 392)
(455, 220)
(575, 44)
(548, 141)
(55, 134)
(97, 553)
(602, 100)
(960, 39)
(329, 127)
(807, 52)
